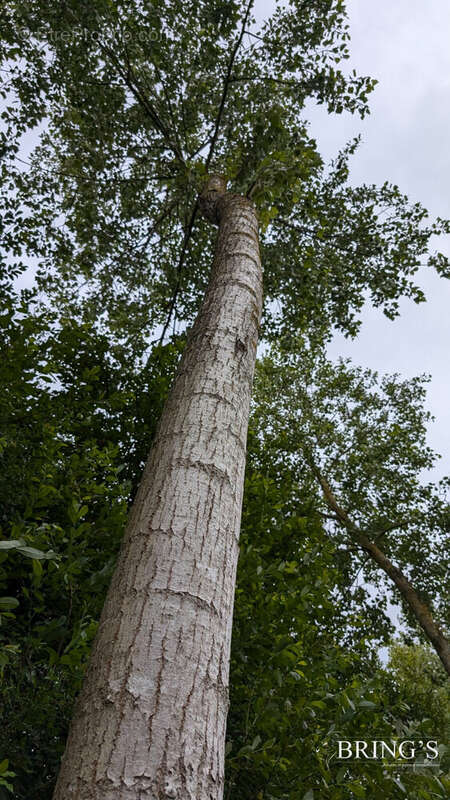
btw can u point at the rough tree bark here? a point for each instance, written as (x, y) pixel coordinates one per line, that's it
(150, 720)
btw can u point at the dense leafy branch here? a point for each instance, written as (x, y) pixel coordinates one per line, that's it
(370, 435)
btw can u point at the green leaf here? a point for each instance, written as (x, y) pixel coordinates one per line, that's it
(6, 603)
(357, 789)
(32, 552)
(12, 544)
(400, 785)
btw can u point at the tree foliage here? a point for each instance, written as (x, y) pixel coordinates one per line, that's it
(138, 107)
(366, 435)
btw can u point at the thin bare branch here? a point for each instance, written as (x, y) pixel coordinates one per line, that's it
(180, 264)
(226, 85)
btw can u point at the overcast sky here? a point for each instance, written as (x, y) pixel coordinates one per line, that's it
(405, 45)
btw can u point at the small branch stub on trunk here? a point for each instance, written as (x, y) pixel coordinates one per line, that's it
(211, 196)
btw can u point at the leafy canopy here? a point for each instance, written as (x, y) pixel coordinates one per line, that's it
(137, 102)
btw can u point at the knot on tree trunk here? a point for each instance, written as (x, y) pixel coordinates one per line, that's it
(211, 197)
(214, 198)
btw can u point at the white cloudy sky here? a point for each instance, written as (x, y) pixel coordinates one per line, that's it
(405, 45)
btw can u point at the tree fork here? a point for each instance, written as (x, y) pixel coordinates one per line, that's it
(150, 720)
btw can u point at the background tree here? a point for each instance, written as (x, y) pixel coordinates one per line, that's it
(362, 441)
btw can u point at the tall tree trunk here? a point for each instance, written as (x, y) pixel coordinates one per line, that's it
(150, 720)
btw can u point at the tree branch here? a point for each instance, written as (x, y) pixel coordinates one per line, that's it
(131, 81)
(183, 252)
(208, 162)
(418, 608)
(226, 85)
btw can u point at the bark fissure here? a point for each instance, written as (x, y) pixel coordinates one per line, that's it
(210, 469)
(196, 599)
(150, 721)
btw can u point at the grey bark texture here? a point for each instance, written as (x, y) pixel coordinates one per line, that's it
(150, 720)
